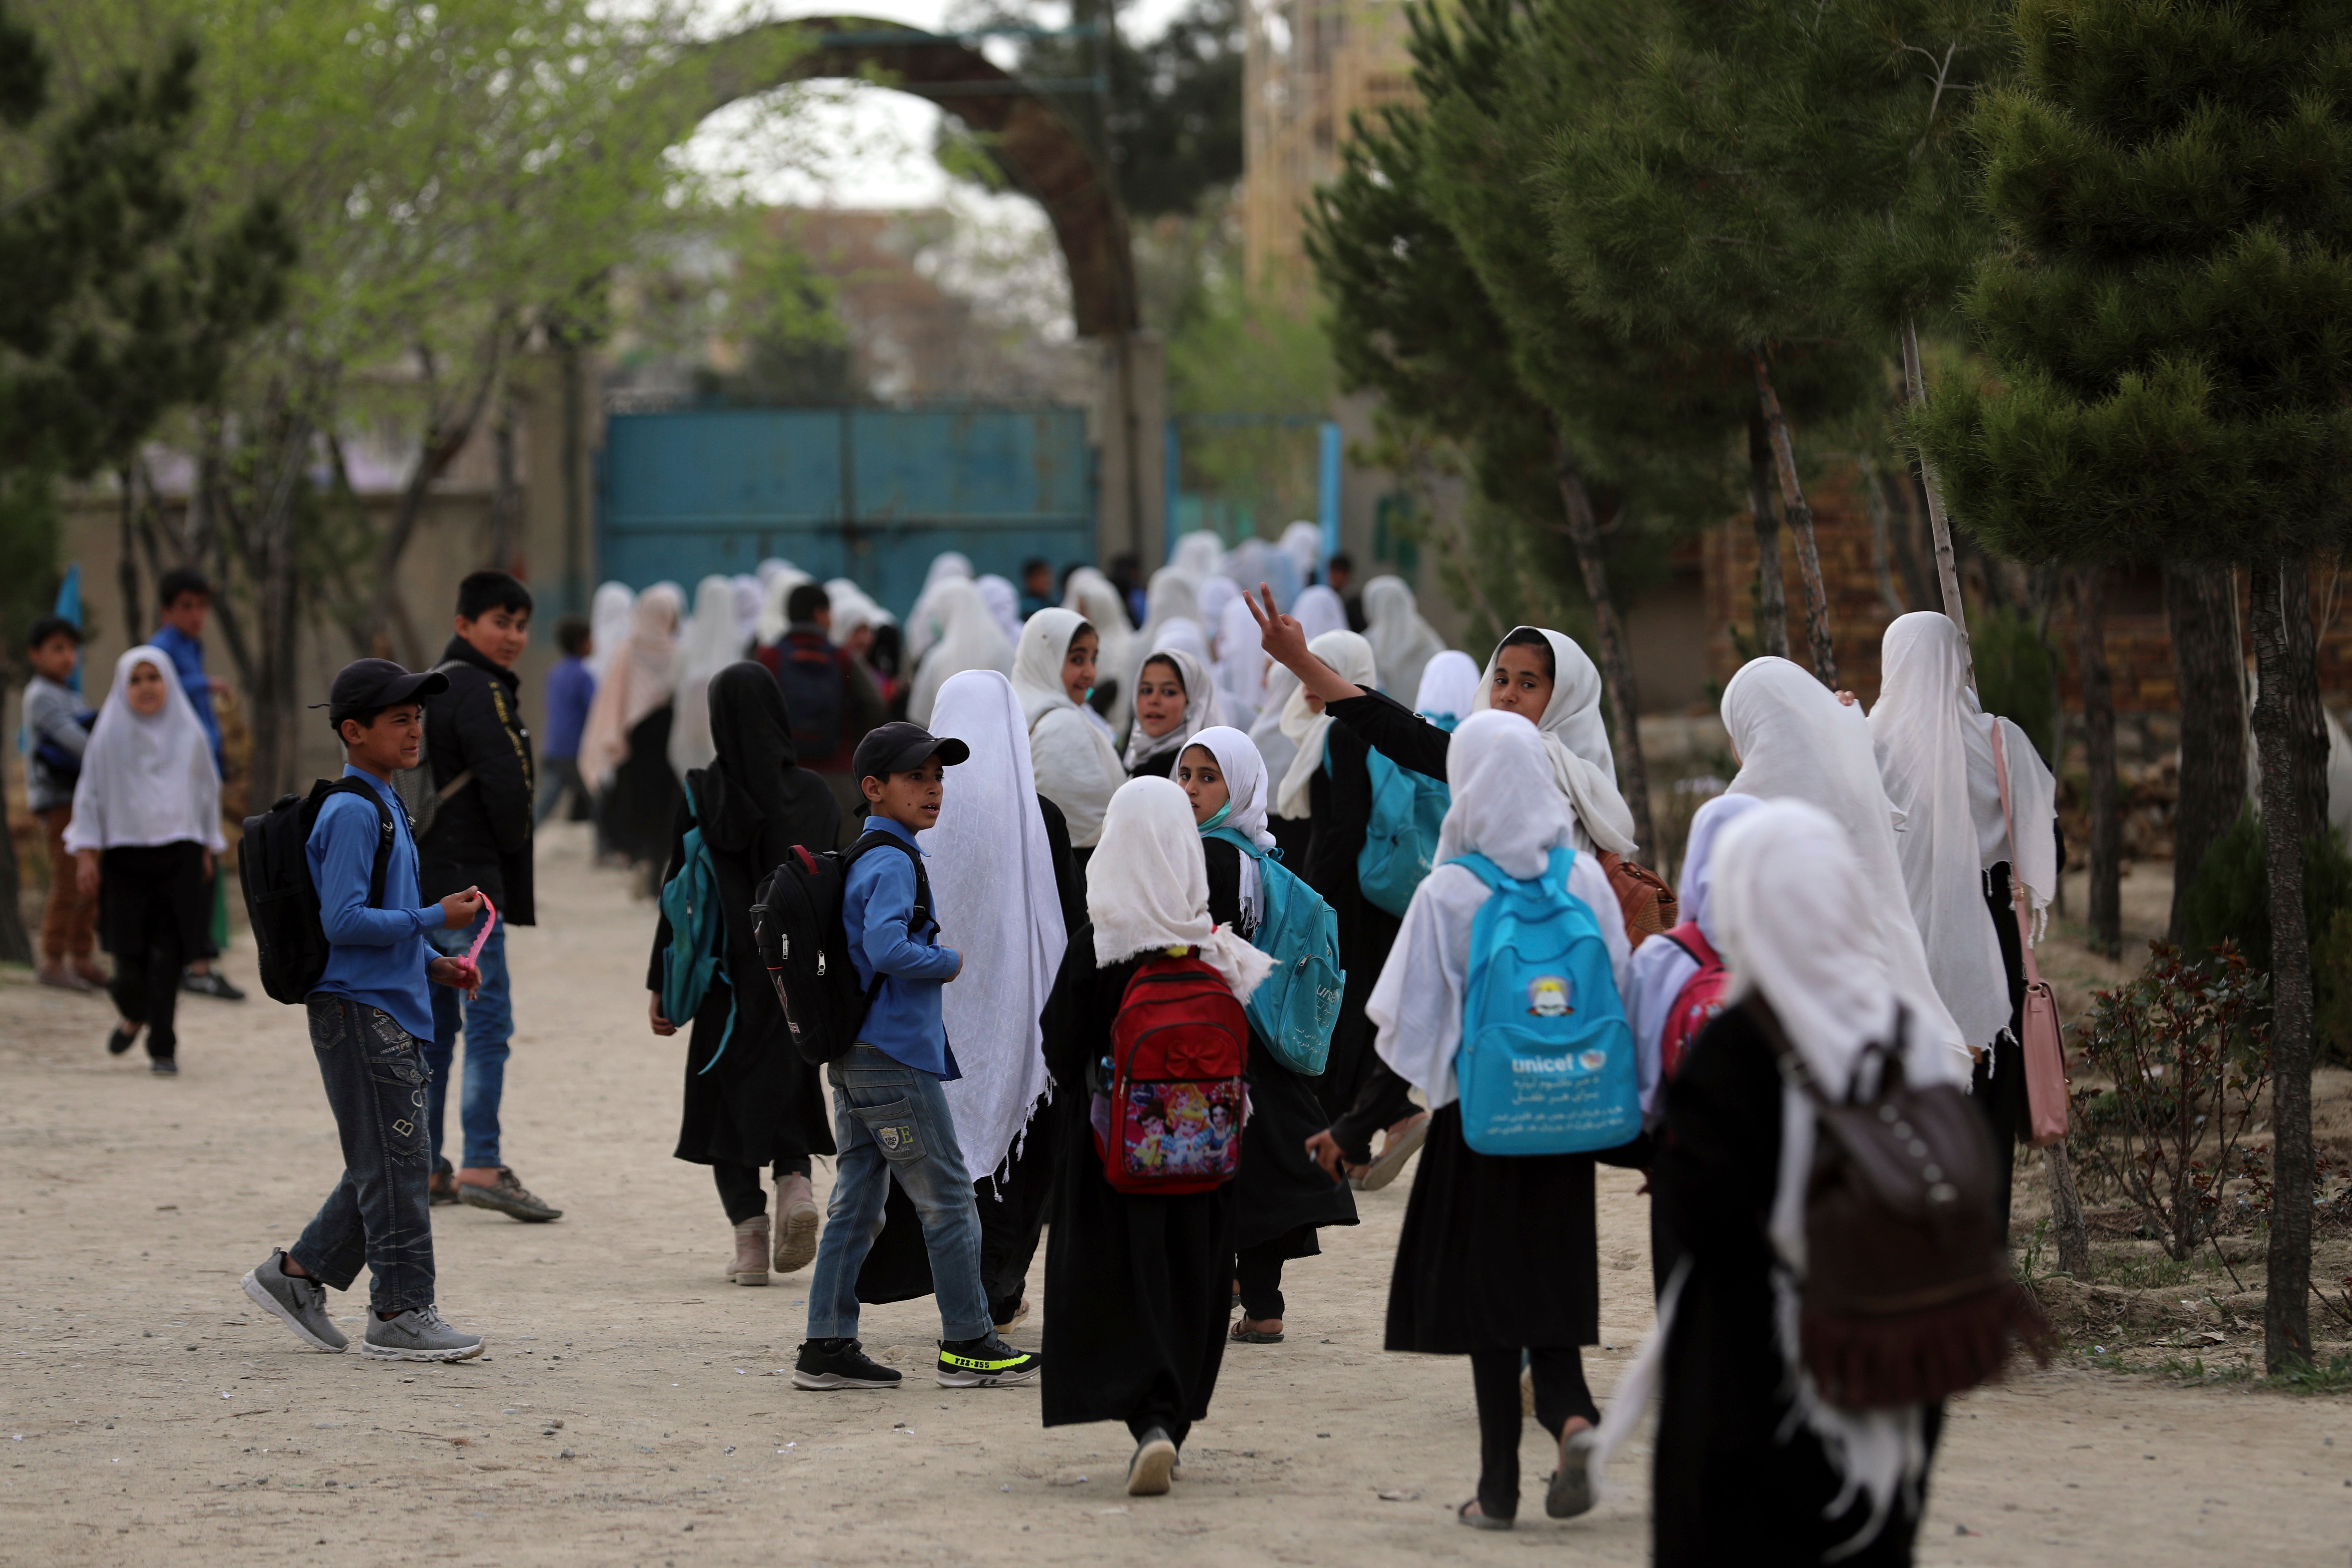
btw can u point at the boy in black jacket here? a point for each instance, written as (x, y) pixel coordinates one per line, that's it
(478, 756)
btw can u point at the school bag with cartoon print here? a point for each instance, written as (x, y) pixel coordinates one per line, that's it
(1295, 1007)
(1700, 1000)
(1401, 839)
(1547, 1058)
(1169, 1100)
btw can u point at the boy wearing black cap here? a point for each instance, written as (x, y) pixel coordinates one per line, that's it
(890, 1116)
(369, 1014)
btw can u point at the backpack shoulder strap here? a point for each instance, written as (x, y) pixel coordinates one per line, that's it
(383, 835)
(921, 915)
(1693, 943)
(1478, 866)
(1227, 835)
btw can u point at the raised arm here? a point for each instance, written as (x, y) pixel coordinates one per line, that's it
(1285, 641)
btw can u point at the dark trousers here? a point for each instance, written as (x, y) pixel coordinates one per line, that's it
(1258, 1270)
(739, 1188)
(1162, 1407)
(146, 984)
(379, 1214)
(1560, 1393)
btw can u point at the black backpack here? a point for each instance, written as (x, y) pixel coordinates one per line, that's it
(797, 925)
(279, 898)
(808, 675)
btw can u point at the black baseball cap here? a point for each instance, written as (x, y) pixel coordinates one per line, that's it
(902, 747)
(365, 685)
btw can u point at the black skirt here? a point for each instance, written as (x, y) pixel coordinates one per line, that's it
(1497, 1252)
(1281, 1190)
(140, 885)
(759, 1102)
(643, 796)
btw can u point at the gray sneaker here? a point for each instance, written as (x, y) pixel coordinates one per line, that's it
(418, 1335)
(296, 1300)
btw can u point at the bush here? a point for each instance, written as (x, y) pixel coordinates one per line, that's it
(2013, 676)
(2231, 899)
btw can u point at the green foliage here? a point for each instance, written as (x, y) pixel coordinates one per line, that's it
(2167, 308)
(28, 553)
(2332, 1376)
(2014, 678)
(2230, 899)
(2331, 978)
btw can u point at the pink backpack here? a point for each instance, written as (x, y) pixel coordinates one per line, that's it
(1700, 1000)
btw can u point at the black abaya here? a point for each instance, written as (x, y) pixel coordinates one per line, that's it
(637, 807)
(1340, 810)
(1137, 1290)
(1728, 1485)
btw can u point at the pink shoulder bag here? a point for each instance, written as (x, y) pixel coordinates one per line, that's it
(2044, 1043)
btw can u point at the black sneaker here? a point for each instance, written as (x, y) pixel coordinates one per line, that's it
(212, 982)
(840, 1363)
(985, 1362)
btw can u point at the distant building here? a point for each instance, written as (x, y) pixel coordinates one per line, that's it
(1311, 64)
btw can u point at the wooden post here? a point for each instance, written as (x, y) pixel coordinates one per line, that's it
(1800, 522)
(1948, 570)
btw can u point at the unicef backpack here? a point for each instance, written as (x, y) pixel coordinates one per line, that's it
(1294, 1008)
(697, 928)
(1547, 1060)
(1401, 842)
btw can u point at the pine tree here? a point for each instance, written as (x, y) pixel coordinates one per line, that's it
(2167, 314)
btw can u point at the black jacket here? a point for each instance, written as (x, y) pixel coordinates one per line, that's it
(480, 836)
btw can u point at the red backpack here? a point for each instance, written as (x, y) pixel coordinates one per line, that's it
(1700, 1000)
(1169, 1121)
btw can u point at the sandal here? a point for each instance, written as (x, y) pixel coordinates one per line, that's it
(1244, 1334)
(1569, 1491)
(1395, 1153)
(1481, 1519)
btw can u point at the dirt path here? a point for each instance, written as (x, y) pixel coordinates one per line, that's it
(149, 1416)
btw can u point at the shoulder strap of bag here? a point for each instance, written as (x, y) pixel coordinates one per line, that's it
(2017, 893)
(443, 794)
(384, 831)
(921, 915)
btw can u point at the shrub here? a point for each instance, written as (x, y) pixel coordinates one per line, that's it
(2013, 676)
(2230, 901)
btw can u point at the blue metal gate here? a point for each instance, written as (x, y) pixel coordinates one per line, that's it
(871, 494)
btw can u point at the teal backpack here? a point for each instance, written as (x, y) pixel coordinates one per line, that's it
(1400, 841)
(1293, 1008)
(697, 929)
(1546, 1059)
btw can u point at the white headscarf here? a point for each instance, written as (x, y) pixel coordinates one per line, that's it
(1187, 636)
(1092, 595)
(642, 677)
(991, 870)
(709, 643)
(1215, 594)
(1930, 746)
(1303, 543)
(1174, 595)
(1661, 969)
(852, 607)
(1076, 768)
(1582, 761)
(1148, 888)
(1200, 552)
(924, 627)
(767, 569)
(1795, 740)
(1266, 734)
(1351, 656)
(751, 596)
(608, 624)
(1244, 774)
(1202, 710)
(1319, 610)
(1449, 685)
(1497, 770)
(970, 639)
(1241, 664)
(1004, 602)
(1253, 562)
(2033, 803)
(1402, 643)
(146, 778)
(776, 611)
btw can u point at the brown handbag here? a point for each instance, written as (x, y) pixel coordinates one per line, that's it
(2040, 1037)
(1645, 902)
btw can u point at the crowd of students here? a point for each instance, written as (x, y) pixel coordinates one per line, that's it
(1051, 818)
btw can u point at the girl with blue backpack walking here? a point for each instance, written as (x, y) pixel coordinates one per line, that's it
(751, 1100)
(1501, 1002)
(1285, 1196)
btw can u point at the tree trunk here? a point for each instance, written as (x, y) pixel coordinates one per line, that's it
(2099, 752)
(126, 570)
(2304, 724)
(16, 942)
(277, 709)
(1948, 570)
(1772, 598)
(1881, 538)
(2200, 608)
(506, 504)
(1800, 522)
(1616, 668)
(2067, 1213)
(2286, 1313)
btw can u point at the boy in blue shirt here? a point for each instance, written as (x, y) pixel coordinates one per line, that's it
(187, 603)
(890, 1116)
(371, 1010)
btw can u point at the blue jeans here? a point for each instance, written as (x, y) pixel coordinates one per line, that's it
(488, 1023)
(890, 1120)
(379, 1214)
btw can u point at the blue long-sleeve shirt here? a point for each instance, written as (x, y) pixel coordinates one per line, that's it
(376, 956)
(907, 1023)
(188, 662)
(571, 687)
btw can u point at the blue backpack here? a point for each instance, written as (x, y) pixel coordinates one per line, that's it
(697, 928)
(1547, 1060)
(1295, 1007)
(1401, 842)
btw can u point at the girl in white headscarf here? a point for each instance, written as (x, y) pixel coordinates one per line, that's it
(1307, 726)
(1402, 643)
(1286, 1196)
(1093, 595)
(1499, 1256)
(1175, 698)
(1934, 750)
(1215, 594)
(1242, 672)
(1449, 688)
(1793, 739)
(1076, 769)
(970, 638)
(625, 748)
(1303, 543)
(1137, 1288)
(1200, 554)
(1186, 637)
(1174, 595)
(775, 613)
(1004, 602)
(709, 643)
(1319, 610)
(608, 625)
(751, 596)
(924, 626)
(1543, 676)
(1661, 969)
(1746, 1449)
(145, 828)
